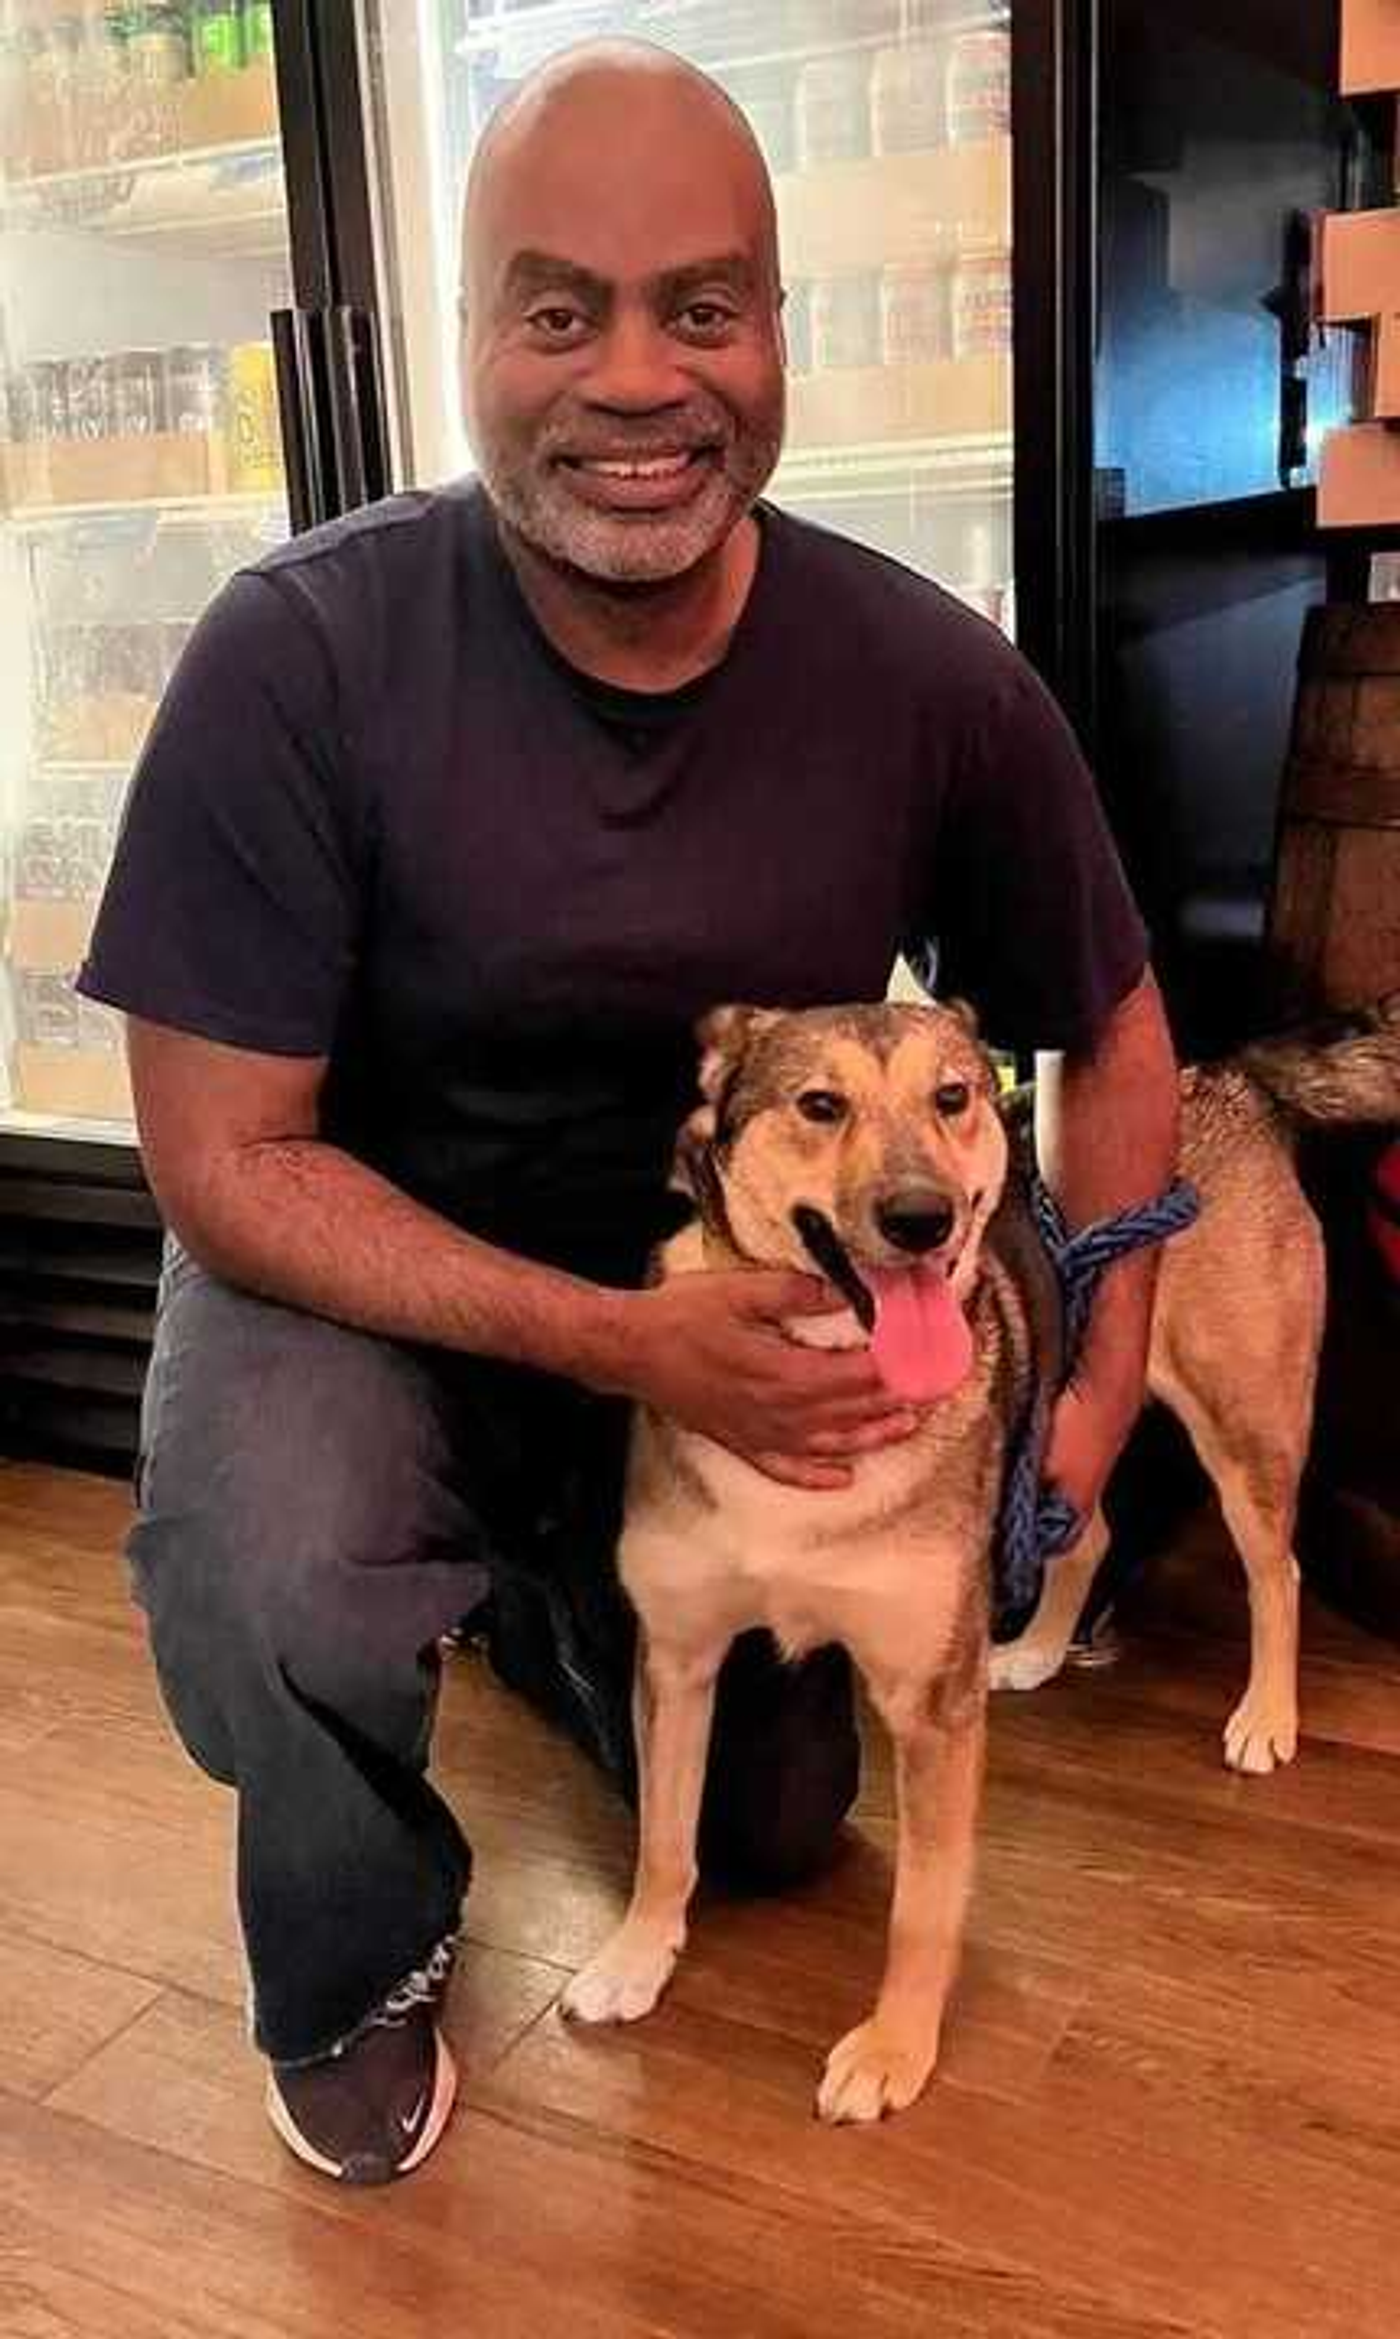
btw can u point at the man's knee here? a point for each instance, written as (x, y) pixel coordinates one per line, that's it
(784, 1769)
(287, 1464)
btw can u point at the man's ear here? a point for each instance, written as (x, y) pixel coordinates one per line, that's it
(725, 1035)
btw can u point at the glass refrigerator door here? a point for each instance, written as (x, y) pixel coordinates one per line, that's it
(886, 125)
(143, 240)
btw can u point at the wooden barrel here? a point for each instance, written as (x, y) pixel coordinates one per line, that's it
(1334, 920)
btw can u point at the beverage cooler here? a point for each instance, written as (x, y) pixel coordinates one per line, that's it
(228, 248)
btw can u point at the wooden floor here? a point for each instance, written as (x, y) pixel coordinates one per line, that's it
(1170, 2103)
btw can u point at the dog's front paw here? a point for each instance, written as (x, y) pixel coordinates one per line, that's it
(874, 2069)
(625, 1979)
(1261, 1733)
(1027, 1663)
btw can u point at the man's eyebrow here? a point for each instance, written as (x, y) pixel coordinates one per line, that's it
(734, 269)
(532, 272)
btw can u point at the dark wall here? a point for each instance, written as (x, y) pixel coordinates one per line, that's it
(1219, 126)
(1202, 621)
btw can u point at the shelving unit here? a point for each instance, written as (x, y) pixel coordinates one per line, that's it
(138, 217)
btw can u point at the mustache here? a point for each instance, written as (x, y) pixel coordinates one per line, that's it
(697, 424)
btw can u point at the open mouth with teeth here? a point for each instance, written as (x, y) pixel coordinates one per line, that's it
(919, 1336)
(639, 482)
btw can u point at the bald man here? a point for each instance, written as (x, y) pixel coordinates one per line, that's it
(457, 814)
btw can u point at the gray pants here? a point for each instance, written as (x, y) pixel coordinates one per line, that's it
(316, 1508)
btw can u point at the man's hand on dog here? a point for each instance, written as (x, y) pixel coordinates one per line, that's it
(710, 1351)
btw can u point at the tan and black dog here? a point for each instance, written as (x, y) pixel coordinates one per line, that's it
(1236, 1331)
(870, 1140)
(879, 1124)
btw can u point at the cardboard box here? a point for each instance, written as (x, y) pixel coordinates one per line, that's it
(1360, 265)
(147, 123)
(895, 207)
(162, 465)
(1359, 477)
(1370, 46)
(966, 397)
(49, 936)
(85, 1083)
(226, 109)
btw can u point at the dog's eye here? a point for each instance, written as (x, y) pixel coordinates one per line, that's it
(953, 1097)
(821, 1104)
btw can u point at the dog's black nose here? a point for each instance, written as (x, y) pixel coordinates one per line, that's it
(915, 1222)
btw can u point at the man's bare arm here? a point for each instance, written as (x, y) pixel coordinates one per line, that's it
(232, 1146)
(1106, 1133)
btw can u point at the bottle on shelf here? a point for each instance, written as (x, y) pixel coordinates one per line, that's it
(832, 110)
(255, 27)
(255, 461)
(981, 300)
(216, 36)
(978, 86)
(160, 60)
(51, 48)
(908, 100)
(915, 318)
(845, 320)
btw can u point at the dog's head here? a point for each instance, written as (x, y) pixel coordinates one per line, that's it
(862, 1141)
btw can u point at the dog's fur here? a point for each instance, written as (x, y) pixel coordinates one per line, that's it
(896, 1566)
(1235, 1337)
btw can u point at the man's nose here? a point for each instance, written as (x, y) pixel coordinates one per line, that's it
(636, 366)
(915, 1218)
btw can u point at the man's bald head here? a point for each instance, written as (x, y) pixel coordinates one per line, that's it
(621, 94)
(621, 350)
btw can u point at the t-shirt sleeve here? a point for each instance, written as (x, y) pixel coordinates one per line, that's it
(1030, 915)
(232, 905)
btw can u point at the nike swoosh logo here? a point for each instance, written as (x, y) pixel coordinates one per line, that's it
(408, 2121)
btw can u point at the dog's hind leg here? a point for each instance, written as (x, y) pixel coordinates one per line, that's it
(1255, 1466)
(1037, 1654)
(672, 1705)
(939, 1733)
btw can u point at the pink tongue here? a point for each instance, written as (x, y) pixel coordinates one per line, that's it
(921, 1343)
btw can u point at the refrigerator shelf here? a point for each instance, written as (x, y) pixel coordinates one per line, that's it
(24, 1121)
(171, 511)
(220, 202)
(972, 464)
(716, 38)
(86, 768)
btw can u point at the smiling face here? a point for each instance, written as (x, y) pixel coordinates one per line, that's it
(622, 353)
(880, 1120)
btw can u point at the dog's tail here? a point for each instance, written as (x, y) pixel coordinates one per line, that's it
(1345, 1071)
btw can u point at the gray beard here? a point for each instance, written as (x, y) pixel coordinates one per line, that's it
(639, 549)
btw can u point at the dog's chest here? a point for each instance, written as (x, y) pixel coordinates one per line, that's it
(712, 1546)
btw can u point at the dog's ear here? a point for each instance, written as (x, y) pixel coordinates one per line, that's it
(690, 1163)
(724, 1035)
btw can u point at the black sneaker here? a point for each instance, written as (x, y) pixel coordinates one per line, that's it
(373, 2109)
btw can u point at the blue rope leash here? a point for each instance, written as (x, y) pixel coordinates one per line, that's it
(1035, 1524)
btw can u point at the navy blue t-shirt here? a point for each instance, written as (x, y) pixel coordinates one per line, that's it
(377, 820)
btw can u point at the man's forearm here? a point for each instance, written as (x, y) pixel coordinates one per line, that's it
(297, 1220)
(1106, 1134)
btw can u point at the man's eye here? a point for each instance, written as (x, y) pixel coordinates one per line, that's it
(707, 317)
(554, 322)
(954, 1096)
(821, 1104)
